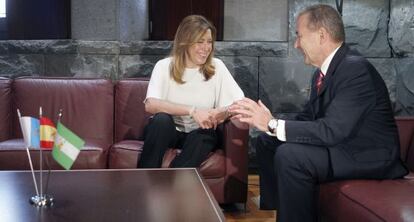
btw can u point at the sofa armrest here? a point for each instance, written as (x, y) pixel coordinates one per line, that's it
(235, 146)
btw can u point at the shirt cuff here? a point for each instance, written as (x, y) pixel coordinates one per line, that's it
(280, 131)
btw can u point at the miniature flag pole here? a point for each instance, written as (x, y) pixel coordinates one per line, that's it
(28, 152)
(45, 199)
(41, 161)
(47, 161)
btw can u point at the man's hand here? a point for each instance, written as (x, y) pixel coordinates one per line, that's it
(252, 113)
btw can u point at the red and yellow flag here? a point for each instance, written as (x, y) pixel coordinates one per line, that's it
(47, 133)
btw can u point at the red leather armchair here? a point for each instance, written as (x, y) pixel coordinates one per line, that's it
(225, 170)
(374, 200)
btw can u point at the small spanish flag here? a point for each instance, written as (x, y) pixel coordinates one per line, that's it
(47, 133)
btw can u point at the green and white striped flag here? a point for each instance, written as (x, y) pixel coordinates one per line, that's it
(67, 146)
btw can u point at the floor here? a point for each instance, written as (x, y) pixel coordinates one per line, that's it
(237, 213)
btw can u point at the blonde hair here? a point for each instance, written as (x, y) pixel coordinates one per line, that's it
(190, 30)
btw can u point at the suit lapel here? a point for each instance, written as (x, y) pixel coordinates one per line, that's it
(339, 55)
(314, 99)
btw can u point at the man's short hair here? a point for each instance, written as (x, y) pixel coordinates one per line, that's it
(327, 17)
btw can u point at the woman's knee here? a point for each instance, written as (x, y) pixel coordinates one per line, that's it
(162, 118)
(161, 122)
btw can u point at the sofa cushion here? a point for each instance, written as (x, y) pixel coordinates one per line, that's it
(87, 108)
(410, 156)
(368, 200)
(406, 132)
(130, 115)
(86, 104)
(5, 108)
(13, 156)
(125, 154)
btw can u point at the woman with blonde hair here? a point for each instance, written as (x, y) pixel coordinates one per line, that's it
(188, 95)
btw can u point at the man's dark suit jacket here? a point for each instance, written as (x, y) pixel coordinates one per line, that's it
(351, 116)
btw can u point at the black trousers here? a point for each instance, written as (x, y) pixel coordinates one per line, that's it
(161, 134)
(289, 177)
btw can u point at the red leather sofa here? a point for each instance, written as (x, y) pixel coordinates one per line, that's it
(110, 117)
(374, 200)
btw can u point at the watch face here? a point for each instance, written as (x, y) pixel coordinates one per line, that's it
(272, 125)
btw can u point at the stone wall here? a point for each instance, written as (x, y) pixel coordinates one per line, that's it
(109, 20)
(271, 71)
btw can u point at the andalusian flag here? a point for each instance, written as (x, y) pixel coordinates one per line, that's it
(67, 146)
(47, 133)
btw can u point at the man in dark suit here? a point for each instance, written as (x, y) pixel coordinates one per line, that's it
(346, 131)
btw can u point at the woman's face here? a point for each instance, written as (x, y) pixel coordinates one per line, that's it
(198, 53)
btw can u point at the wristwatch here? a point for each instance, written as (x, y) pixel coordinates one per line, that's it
(272, 125)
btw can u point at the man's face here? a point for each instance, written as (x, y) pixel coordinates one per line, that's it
(308, 42)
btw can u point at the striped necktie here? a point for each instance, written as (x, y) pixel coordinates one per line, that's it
(319, 81)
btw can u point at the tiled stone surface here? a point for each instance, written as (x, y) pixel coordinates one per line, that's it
(284, 84)
(81, 66)
(21, 65)
(133, 20)
(277, 49)
(146, 47)
(98, 47)
(401, 27)
(38, 47)
(368, 35)
(136, 65)
(245, 71)
(95, 19)
(405, 87)
(241, 19)
(366, 25)
(386, 67)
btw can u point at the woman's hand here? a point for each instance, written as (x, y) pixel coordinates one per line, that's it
(204, 118)
(219, 115)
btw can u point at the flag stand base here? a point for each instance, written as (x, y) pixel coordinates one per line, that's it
(43, 201)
